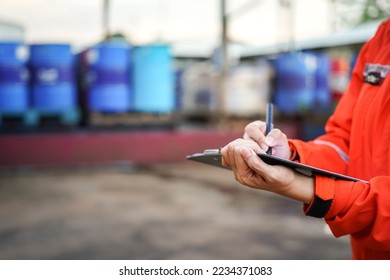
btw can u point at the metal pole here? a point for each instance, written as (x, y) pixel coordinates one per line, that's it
(224, 65)
(288, 24)
(106, 15)
(291, 11)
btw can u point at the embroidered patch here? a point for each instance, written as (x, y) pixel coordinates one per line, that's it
(374, 74)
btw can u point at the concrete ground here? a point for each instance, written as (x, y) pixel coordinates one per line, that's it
(174, 211)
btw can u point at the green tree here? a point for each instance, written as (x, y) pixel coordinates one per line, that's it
(375, 9)
(355, 12)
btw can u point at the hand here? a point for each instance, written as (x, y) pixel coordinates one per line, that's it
(276, 139)
(241, 156)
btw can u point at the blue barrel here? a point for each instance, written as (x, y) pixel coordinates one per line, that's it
(53, 87)
(178, 88)
(322, 94)
(294, 82)
(13, 78)
(109, 88)
(154, 81)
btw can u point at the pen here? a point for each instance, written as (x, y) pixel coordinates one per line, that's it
(269, 123)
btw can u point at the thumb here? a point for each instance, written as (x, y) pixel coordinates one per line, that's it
(246, 153)
(251, 158)
(254, 161)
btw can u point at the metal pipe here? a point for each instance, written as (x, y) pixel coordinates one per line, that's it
(106, 19)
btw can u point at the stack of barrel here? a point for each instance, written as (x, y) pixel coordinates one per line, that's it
(123, 85)
(52, 83)
(13, 83)
(302, 89)
(37, 82)
(301, 82)
(46, 83)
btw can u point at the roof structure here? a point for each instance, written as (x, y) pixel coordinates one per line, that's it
(353, 36)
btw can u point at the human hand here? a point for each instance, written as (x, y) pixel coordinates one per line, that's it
(248, 168)
(275, 139)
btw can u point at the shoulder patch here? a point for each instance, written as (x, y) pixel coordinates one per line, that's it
(374, 74)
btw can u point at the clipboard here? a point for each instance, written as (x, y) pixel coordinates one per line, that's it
(213, 157)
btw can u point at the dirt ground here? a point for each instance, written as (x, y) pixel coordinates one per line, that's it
(172, 211)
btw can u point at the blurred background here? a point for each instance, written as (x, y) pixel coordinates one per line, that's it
(102, 100)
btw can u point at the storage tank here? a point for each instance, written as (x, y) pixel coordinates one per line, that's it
(294, 82)
(53, 86)
(13, 78)
(322, 94)
(109, 84)
(154, 81)
(248, 89)
(200, 85)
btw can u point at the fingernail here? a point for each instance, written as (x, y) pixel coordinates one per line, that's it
(269, 140)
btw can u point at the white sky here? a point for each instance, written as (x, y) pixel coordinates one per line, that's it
(192, 23)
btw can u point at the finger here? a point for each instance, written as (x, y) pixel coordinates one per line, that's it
(274, 137)
(230, 153)
(255, 131)
(242, 169)
(250, 178)
(226, 154)
(225, 157)
(254, 162)
(264, 147)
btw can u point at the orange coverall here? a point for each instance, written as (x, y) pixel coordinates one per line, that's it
(357, 143)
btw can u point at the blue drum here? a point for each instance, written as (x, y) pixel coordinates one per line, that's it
(53, 87)
(294, 82)
(154, 79)
(322, 92)
(108, 78)
(13, 78)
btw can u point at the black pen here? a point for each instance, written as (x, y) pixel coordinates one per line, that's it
(269, 122)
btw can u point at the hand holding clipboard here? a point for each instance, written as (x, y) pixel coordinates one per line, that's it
(214, 157)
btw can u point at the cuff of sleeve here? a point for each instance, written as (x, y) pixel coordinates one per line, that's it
(324, 190)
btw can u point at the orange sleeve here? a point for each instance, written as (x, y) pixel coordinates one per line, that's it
(356, 208)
